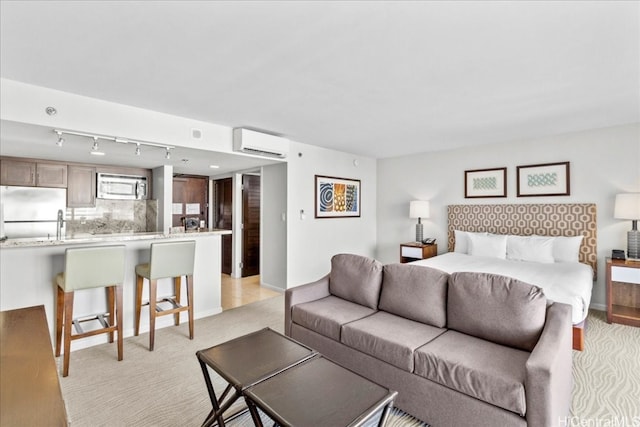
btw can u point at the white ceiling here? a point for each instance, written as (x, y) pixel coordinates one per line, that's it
(379, 78)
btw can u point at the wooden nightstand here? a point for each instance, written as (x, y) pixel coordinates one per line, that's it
(414, 251)
(623, 291)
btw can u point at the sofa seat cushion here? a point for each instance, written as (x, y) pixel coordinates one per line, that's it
(389, 338)
(327, 315)
(415, 292)
(487, 371)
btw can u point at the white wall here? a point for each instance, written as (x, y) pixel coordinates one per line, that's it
(312, 242)
(604, 162)
(273, 226)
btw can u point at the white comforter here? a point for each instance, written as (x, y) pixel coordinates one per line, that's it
(569, 283)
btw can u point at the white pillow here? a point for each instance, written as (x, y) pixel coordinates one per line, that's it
(530, 248)
(462, 241)
(567, 249)
(490, 245)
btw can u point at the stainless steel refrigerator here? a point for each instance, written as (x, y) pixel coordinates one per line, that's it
(32, 211)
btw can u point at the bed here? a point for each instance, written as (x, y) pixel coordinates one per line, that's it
(570, 229)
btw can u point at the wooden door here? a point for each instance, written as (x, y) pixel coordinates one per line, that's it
(224, 218)
(251, 225)
(192, 193)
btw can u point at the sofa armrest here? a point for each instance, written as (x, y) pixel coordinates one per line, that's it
(301, 294)
(549, 379)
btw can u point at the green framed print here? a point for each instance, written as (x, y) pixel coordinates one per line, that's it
(481, 183)
(548, 179)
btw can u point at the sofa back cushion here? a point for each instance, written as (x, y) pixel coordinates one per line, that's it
(356, 278)
(415, 293)
(496, 308)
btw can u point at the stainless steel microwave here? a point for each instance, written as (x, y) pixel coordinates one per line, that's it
(125, 187)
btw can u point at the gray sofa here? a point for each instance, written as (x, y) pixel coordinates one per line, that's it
(463, 349)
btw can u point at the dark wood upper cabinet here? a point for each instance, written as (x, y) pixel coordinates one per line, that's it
(33, 174)
(17, 172)
(81, 190)
(51, 175)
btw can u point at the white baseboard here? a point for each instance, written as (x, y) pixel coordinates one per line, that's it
(272, 287)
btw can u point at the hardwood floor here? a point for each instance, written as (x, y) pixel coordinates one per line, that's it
(237, 292)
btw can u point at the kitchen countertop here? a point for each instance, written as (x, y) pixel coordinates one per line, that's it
(113, 237)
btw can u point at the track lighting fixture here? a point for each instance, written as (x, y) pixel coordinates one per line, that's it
(60, 139)
(95, 149)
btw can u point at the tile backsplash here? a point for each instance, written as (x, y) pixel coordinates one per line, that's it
(112, 216)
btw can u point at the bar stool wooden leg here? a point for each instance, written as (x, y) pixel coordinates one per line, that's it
(152, 312)
(190, 302)
(139, 283)
(177, 286)
(118, 317)
(68, 320)
(111, 305)
(59, 319)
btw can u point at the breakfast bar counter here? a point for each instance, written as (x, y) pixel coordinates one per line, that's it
(28, 268)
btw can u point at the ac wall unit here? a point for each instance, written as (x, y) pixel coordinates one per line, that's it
(261, 144)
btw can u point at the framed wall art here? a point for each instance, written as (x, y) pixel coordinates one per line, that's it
(337, 197)
(549, 179)
(482, 183)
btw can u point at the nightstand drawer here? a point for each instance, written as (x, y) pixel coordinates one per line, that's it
(626, 275)
(409, 252)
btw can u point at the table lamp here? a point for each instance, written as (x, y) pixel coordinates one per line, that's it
(628, 207)
(419, 209)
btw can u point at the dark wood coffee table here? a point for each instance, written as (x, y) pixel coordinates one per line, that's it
(318, 392)
(291, 383)
(245, 361)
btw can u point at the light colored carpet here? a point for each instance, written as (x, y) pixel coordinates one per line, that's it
(606, 389)
(165, 387)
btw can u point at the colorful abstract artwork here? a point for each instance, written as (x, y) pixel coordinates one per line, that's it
(337, 197)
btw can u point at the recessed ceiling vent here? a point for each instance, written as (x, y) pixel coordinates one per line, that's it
(260, 144)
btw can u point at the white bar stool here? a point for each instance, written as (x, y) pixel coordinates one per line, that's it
(87, 268)
(168, 259)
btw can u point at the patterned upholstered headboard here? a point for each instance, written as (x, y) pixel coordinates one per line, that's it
(571, 219)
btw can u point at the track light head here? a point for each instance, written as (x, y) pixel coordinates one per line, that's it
(168, 154)
(60, 139)
(137, 149)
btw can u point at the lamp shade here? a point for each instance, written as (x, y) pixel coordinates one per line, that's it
(419, 209)
(627, 206)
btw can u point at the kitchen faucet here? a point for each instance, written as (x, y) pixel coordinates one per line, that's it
(59, 225)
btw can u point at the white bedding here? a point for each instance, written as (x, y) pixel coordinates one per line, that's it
(569, 283)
